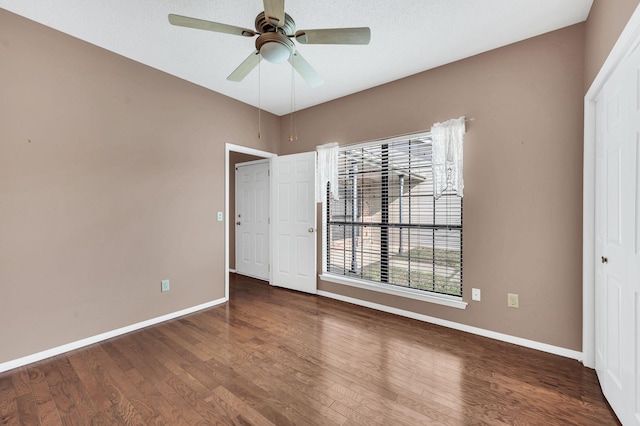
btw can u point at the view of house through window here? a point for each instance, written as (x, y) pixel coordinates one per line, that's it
(387, 227)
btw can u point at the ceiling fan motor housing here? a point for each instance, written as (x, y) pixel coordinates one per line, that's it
(263, 26)
(273, 43)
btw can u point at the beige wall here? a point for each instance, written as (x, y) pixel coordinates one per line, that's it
(606, 21)
(111, 174)
(523, 176)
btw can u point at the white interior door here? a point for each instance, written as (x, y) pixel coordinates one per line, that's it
(252, 219)
(633, 189)
(294, 222)
(618, 240)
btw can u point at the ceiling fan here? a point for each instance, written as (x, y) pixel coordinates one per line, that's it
(275, 30)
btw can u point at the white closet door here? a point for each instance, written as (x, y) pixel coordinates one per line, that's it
(633, 190)
(618, 240)
(252, 219)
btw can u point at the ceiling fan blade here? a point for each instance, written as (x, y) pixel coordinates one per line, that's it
(245, 67)
(201, 24)
(305, 70)
(274, 12)
(361, 35)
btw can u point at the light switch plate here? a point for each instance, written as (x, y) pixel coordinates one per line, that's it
(475, 294)
(164, 285)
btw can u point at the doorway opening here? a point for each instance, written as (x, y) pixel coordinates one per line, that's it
(234, 154)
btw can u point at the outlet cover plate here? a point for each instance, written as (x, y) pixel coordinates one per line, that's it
(219, 216)
(512, 300)
(164, 285)
(475, 294)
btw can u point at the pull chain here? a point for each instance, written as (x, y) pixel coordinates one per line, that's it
(259, 94)
(292, 135)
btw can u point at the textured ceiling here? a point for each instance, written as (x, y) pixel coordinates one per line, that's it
(407, 37)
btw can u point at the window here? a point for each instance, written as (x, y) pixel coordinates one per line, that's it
(387, 228)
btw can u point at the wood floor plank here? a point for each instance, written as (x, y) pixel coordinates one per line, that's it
(353, 416)
(116, 385)
(154, 373)
(261, 401)
(314, 410)
(20, 380)
(276, 357)
(92, 385)
(299, 408)
(252, 416)
(27, 410)
(186, 386)
(8, 405)
(148, 401)
(74, 407)
(344, 397)
(47, 411)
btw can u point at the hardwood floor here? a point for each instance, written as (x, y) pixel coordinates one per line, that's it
(277, 357)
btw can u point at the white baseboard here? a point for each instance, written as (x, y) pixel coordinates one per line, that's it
(9, 365)
(233, 271)
(568, 353)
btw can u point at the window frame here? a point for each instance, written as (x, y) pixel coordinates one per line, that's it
(404, 292)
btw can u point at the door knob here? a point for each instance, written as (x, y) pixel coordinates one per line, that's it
(310, 230)
(237, 223)
(604, 259)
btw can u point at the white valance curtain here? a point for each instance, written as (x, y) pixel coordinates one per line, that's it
(327, 171)
(447, 141)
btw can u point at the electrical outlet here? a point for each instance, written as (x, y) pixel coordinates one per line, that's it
(475, 294)
(512, 300)
(164, 285)
(219, 216)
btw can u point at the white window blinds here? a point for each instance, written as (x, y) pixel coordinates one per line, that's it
(387, 226)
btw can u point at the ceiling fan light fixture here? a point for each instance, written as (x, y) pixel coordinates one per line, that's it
(275, 52)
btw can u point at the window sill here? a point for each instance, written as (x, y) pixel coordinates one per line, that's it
(451, 301)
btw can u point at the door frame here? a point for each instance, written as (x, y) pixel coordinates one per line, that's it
(626, 43)
(228, 148)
